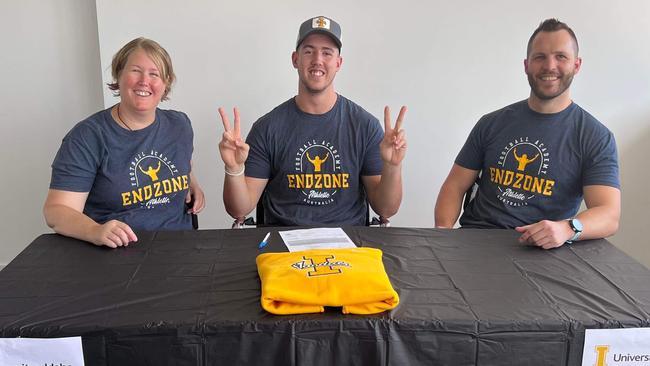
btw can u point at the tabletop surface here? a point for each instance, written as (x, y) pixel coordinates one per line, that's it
(466, 297)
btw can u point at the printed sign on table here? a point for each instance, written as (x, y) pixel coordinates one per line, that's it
(41, 351)
(616, 347)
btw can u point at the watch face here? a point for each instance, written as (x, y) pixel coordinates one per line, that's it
(576, 225)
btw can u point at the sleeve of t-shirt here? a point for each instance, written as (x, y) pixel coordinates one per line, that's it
(75, 164)
(600, 167)
(372, 163)
(471, 154)
(190, 130)
(258, 163)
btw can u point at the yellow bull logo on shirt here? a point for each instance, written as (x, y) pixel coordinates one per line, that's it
(318, 173)
(155, 180)
(520, 172)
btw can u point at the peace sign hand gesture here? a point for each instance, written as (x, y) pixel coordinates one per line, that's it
(393, 146)
(232, 148)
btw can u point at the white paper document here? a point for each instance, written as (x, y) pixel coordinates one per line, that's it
(41, 351)
(322, 238)
(620, 347)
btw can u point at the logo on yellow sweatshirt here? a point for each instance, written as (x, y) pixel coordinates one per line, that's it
(320, 265)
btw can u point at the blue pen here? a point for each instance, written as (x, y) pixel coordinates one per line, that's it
(264, 241)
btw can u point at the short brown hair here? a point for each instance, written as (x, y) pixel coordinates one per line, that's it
(158, 55)
(552, 25)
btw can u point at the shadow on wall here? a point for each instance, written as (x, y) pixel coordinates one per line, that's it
(635, 175)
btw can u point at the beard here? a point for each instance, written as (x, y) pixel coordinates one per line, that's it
(541, 93)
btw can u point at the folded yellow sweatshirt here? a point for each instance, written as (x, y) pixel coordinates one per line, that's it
(307, 281)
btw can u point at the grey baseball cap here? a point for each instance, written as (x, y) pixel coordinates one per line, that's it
(322, 25)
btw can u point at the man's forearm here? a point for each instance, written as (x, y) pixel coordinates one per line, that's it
(599, 222)
(448, 207)
(388, 195)
(236, 196)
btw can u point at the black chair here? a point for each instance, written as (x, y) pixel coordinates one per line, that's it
(195, 217)
(471, 192)
(259, 221)
(195, 221)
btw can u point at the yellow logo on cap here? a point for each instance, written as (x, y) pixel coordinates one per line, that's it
(320, 22)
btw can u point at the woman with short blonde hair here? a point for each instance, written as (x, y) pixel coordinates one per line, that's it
(128, 167)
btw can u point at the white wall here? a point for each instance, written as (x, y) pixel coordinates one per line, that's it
(49, 67)
(449, 62)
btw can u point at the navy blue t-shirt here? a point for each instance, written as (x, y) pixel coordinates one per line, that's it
(314, 163)
(137, 177)
(534, 166)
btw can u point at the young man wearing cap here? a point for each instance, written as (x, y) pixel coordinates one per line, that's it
(318, 156)
(538, 158)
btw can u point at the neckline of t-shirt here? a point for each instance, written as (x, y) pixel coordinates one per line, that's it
(539, 115)
(116, 125)
(317, 117)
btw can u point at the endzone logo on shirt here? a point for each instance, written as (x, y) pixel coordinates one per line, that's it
(155, 180)
(318, 173)
(520, 172)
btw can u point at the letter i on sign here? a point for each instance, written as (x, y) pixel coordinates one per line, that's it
(602, 353)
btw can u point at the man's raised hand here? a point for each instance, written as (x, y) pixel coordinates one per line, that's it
(393, 146)
(232, 148)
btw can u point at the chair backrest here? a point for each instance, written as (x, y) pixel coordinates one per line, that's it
(259, 210)
(260, 222)
(195, 221)
(471, 192)
(195, 217)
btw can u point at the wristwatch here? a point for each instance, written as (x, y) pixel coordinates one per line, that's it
(576, 226)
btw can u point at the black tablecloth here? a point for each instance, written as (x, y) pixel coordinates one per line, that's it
(468, 297)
